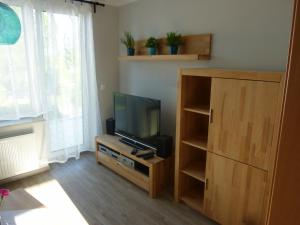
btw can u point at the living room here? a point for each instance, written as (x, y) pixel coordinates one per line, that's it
(153, 112)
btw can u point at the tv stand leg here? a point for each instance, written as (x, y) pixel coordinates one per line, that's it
(97, 153)
(153, 174)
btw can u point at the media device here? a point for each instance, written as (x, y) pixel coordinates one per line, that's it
(164, 145)
(137, 120)
(115, 155)
(124, 160)
(110, 126)
(109, 152)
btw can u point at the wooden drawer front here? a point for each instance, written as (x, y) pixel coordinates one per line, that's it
(235, 193)
(242, 120)
(130, 174)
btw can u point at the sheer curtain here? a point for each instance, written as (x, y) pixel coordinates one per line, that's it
(70, 80)
(60, 59)
(19, 89)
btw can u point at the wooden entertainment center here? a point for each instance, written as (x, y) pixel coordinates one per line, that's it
(152, 175)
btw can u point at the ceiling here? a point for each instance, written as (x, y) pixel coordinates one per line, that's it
(116, 2)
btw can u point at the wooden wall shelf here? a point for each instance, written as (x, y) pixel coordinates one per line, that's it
(195, 47)
(163, 58)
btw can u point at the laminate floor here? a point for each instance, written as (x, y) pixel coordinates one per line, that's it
(104, 198)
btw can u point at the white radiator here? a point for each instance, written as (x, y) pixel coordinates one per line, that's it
(18, 155)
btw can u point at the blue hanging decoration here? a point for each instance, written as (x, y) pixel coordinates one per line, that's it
(10, 26)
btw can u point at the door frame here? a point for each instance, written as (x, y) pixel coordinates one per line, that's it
(285, 199)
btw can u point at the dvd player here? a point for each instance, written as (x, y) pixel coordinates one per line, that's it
(117, 156)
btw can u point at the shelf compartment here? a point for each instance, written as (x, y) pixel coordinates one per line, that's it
(196, 92)
(194, 199)
(193, 194)
(202, 109)
(193, 162)
(195, 130)
(196, 170)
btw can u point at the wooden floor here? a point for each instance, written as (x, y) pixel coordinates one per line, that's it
(104, 198)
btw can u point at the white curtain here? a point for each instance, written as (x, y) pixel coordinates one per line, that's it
(60, 66)
(19, 89)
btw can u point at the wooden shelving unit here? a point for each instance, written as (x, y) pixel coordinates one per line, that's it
(210, 143)
(195, 47)
(192, 141)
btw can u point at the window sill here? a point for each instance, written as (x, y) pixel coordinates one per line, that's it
(21, 121)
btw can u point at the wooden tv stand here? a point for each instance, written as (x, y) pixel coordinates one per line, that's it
(159, 169)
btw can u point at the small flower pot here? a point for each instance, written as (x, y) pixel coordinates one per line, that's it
(152, 51)
(130, 51)
(173, 50)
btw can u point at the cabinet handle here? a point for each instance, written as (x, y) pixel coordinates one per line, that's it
(211, 116)
(206, 184)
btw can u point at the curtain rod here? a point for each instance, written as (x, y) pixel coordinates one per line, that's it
(91, 3)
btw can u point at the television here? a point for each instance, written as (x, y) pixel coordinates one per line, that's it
(137, 119)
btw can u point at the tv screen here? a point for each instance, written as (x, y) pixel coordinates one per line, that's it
(137, 118)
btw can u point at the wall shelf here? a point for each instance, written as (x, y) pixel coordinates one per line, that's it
(195, 47)
(192, 57)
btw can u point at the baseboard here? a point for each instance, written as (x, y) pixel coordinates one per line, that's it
(24, 175)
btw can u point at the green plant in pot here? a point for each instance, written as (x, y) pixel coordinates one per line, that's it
(128, 41)
(152, 45)
(174, 40)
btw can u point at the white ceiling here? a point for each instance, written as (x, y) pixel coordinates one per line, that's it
(117, 2)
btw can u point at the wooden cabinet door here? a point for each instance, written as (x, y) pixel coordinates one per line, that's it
(235, 193)
(242, 120)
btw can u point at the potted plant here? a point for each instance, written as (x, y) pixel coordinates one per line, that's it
(128, 41)
(174, 40)
(152, 45)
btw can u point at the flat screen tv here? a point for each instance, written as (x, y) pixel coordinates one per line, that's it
(137, 118)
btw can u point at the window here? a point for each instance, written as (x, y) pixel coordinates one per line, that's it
(20, 74)
(18, 98)
(51, 72)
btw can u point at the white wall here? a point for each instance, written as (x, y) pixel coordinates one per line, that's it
(251, 35)
(106, 41)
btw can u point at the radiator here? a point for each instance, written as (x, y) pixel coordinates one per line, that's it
(18, 155)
